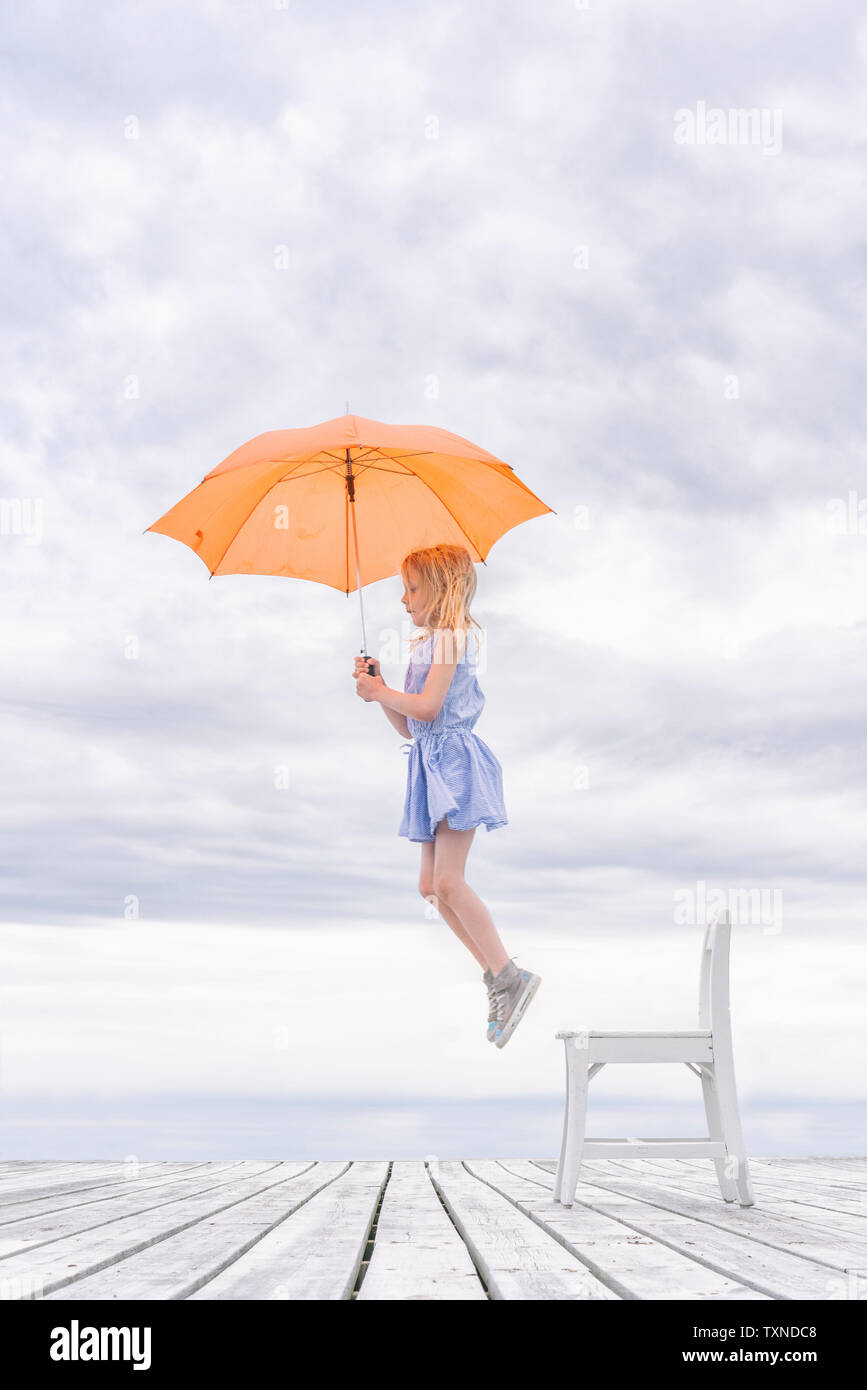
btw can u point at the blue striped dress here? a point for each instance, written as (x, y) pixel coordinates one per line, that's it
(451, 772)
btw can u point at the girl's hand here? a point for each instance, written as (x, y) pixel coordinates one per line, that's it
(365, 685)
(361, 664)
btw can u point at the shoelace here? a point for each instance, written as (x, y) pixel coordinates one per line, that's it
(502, 998)
(493, 1014)
(503, 995)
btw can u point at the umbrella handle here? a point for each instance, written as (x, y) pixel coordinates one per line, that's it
(370, 670)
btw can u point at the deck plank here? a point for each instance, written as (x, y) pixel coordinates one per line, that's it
(418, 1254)
(841, 1166)
(34, 1166)
(317, 1253)
(69, 1177)
(516, 1258)
(45, 1198)
(46, 1249)
(634, 1266)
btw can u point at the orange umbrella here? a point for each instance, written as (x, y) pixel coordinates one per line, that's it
(283, 503)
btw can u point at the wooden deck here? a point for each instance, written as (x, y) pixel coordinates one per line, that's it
(462, 1229)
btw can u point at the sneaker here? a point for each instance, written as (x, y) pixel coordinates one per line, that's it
(492, 1005)
(513, 989)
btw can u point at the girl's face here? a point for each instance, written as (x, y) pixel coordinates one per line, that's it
(414, 596)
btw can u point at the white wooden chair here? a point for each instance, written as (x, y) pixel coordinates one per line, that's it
(707, 1052)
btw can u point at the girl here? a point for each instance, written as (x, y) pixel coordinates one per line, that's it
(454, 782)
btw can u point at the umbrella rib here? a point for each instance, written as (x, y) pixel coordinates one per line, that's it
(239, 529)
(452, 515)
(422, 453)
(374, 449)
(395, 472)
(327, 468)
(415, 454)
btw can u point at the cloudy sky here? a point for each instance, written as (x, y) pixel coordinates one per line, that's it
(552, 229)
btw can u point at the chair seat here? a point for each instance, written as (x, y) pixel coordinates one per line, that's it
(665, 1033)
(693, 1045)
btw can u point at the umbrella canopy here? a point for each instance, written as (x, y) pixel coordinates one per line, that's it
(282, 503)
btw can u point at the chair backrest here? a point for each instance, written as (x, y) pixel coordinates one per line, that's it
(713, 988)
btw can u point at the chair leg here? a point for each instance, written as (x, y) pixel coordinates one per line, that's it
(561, 1162)
(715, 1130)
(727, 1099)
(745, 1187)
(574, 1124)
(734, 1186)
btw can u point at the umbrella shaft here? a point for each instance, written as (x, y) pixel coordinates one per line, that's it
(358, 579)
(350, 488)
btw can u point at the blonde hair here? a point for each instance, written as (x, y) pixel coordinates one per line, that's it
(449, 577)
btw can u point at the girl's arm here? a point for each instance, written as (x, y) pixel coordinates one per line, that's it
(398, 720)
(426, 705)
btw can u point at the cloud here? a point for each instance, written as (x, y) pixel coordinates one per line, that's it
(225, 220)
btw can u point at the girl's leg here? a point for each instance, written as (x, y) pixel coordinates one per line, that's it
(426, 888)
(451, 848)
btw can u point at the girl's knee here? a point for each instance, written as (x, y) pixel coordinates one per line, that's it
(446, 886)
(425, 887)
